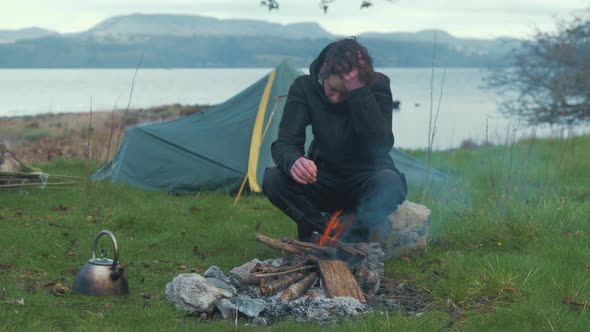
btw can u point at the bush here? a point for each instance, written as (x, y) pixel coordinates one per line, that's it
(35, 135)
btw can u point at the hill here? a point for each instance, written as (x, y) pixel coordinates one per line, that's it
(186, 41)
(10, 36)
(193, 25)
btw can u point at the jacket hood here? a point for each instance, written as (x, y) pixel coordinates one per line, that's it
(316, 65)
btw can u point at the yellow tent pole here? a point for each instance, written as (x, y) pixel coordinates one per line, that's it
(270, 117)
(257, 135)
(240, 191)
(256, 140)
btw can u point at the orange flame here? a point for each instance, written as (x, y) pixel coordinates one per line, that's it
(333, 231)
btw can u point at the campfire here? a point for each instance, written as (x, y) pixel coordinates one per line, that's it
(320, 280)
(343, 269)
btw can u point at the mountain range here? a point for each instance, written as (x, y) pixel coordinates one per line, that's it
(164, 40)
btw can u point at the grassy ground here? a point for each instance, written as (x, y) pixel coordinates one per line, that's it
(509, 247)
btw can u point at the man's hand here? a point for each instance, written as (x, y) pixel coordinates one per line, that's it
(304, 171)
(351, 80)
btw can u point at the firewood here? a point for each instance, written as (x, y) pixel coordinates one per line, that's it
(339, 281)
(276, 274)
(278, 245)
(348, 249)
(286, 267)
(297, 289)
(280, 284)
(329, 251)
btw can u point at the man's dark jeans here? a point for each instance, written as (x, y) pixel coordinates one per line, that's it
(369, 196)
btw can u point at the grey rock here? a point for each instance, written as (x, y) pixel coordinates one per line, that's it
(240, 276)
(223, 285)
(273, 262)
(409, 234)
(191, 292)
(227, 308)
(249, 306)
(215, 272)
(375, 256)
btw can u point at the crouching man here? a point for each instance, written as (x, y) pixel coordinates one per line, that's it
(347, 167)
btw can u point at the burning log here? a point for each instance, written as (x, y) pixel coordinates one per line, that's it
(297, 289)
(330, 252)
(278, 245)
(339, 281)
(314, 251)
(337, 275)
(350, 250)
(280, 284)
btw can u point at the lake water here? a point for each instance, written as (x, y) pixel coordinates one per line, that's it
(467, 112)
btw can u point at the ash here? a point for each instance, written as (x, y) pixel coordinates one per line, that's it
(317, 309)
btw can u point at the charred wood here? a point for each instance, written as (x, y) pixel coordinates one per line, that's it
(275, 286)
(299, 288)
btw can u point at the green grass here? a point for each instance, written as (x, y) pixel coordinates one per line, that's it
(507, 245)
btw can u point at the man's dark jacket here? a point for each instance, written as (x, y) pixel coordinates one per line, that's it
(349, 137)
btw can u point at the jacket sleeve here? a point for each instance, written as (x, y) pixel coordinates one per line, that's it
(290, 143)
(371, 110)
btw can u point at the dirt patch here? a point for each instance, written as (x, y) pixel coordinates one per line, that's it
(46, 137)
(400, 297)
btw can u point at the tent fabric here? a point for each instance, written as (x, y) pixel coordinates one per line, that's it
(217, 149)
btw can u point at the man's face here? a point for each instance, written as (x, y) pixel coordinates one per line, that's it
(334, 88)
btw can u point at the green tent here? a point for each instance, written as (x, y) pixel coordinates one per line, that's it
(220, 148)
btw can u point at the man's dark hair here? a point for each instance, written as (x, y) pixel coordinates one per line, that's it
(345, 54)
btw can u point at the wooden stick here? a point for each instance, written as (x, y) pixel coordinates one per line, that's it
(297, 289)
(312, 258)
(275, 274)
(33, 175)
(36, 184)
(278, 245)
(308, 245)
(280, 284)
(259, 268)
(348, 249)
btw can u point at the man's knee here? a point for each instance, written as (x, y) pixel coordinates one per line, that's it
(274, 180)
(391, 182)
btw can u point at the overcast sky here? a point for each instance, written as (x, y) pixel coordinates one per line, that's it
(463, 18)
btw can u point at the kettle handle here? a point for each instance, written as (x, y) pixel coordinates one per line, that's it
(114, 240)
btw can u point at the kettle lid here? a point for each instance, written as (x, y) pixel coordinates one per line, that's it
(100, 261)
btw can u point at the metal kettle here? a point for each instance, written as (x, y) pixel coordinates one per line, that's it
(102, 276)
